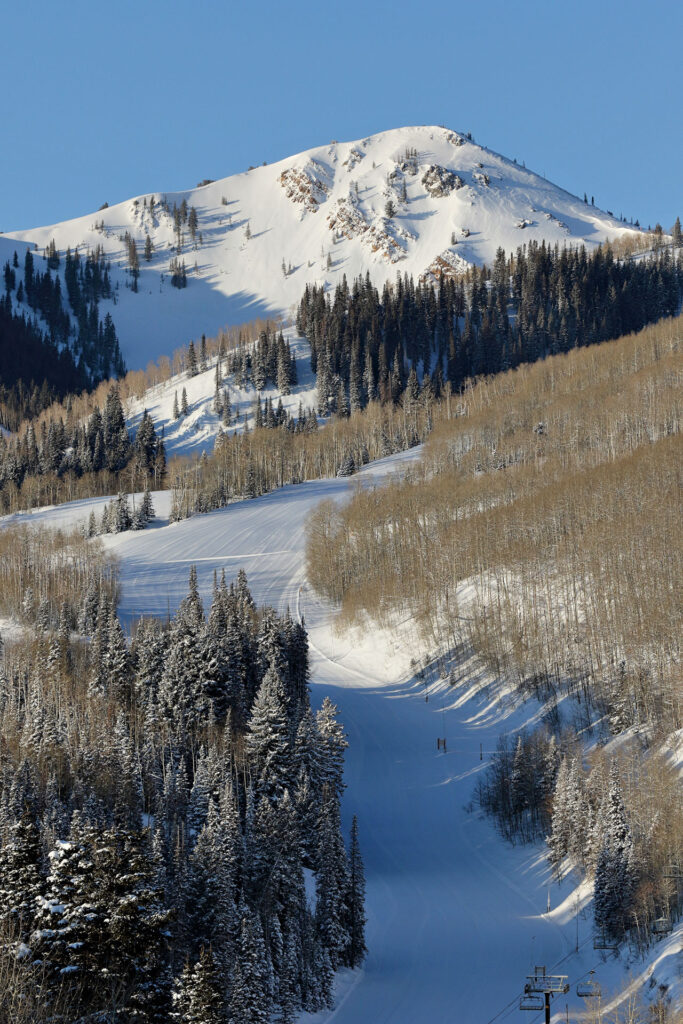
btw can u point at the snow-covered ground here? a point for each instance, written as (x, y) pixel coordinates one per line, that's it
(322, 213)
(456, 918)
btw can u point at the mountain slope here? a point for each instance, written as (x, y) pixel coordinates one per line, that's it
(456, 919)
(261, 236)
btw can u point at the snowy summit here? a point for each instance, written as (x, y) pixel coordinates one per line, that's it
(422, 201)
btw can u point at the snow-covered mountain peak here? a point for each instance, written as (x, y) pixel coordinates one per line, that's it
(418, 200)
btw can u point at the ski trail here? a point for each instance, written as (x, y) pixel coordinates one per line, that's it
(455, 916)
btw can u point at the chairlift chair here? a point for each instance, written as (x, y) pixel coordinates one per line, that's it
(531, 1002)
(589, 989)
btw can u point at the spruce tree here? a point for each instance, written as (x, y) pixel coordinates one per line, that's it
(249, 998)
(268, 739)
(355, 902)
(192, 368)
(614, 873)
(200, 996)
(21, 883)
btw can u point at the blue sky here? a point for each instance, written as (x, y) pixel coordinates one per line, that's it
(108, 100)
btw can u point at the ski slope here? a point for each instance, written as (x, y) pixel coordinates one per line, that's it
(323, 214)
(456, 918)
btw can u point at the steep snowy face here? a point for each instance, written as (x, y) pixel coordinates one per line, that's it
(424, 201)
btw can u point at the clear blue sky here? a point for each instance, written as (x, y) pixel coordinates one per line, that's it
(107, 100)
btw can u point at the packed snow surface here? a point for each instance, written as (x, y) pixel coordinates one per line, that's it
(456, 918)
(310, 219)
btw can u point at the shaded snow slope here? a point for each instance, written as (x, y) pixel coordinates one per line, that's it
(456, 918)
(323, 213)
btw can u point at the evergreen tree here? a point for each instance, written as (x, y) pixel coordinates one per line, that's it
(332, 885)
(268, 739)
(200, 997)
(249, 998)
(355, 902)
(192, 368)
(614, 873)
(21, 883)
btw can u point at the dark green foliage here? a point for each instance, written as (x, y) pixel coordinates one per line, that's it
(355, 902)
(542, 301)
(178, 273)
(64, 356)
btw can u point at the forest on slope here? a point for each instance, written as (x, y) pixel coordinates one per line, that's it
(402, 350)
(161, 801)
(43, 355)
(541, 530)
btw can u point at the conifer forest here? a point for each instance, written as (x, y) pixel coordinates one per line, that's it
(162, 804)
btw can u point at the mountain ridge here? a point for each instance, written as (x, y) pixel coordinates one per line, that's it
(418, 200)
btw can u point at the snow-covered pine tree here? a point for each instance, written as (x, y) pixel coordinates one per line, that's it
(558, 840)
(332, 883)
(333, 745)
(268, 739)
(21, 882)
(192, 368)
(283, 368)
(147, 507)
(117, 662)
(355, 902)
(250, 997)
(200, 993)
(614, 872)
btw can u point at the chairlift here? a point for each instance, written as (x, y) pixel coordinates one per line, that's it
(603, 941)
(589, 989)
(662, 926)
(531, 1002)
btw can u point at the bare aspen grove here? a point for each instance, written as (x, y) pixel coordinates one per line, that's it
(553, 492)
(541, 531)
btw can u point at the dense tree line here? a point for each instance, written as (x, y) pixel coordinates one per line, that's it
(34, 371)
(50, 579)
(159, 806)
(518, 785)
(617, 821)
(37, 364)
(541, 301)
(99, 450)
(270, 360)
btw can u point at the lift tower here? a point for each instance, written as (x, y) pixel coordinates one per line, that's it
(539, 984)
